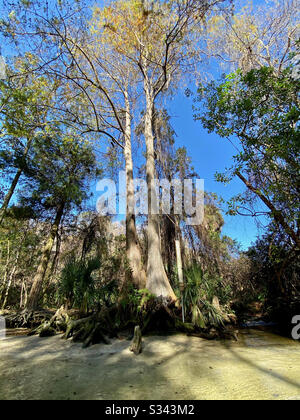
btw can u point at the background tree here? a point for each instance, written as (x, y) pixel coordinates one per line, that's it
(155, 38)
(262, 110)
(275, 272)
(24, 109)
(19, 250)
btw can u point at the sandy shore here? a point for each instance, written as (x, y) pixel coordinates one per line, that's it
(260, 366)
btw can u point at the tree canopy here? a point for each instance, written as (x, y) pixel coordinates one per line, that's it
(260, 109)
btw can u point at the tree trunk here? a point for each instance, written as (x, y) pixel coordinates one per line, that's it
(11, 276)
(179, 263)
(23, 296)
(37, 286)
(52, 267)
(14, 183)
(277, 214)
(138, 274)
(157, 280)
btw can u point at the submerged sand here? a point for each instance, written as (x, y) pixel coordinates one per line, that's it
(260, 366)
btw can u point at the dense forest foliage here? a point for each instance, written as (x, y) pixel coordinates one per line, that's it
(84, 95)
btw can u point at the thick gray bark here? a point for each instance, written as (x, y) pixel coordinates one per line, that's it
(157, 280)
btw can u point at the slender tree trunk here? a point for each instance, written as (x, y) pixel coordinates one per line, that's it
(7, 290)
(37, 286)
(12, 273)
(51, 267)
(11, 276)
(8, 196)
(134, 255)
(14, 183)
(23, 296)
(157, 280)
(179, 263)
(6, 268)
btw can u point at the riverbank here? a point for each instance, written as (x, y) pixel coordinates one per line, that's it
(260, 365)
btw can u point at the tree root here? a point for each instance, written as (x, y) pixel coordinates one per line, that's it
(157, 316)
(58, 323)
(74, 327)
(86, 330)
(27, 319)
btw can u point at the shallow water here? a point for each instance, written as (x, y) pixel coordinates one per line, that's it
(260, 366)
